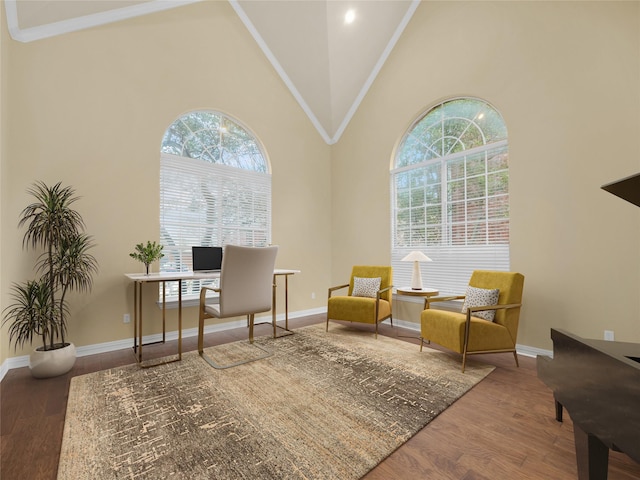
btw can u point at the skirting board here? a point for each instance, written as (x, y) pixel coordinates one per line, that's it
(23, 361)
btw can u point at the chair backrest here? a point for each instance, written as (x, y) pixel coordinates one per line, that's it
(510, 285)
(246, 280)
(385, 273)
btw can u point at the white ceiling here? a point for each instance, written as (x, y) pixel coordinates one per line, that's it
(327, 64)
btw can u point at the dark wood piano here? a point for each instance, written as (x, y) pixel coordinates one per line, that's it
(598, 383)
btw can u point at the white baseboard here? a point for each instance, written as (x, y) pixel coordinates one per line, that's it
(23, 361)
(532, 351)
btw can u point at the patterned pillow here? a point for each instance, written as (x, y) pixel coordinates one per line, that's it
(365, 287)
(479, 297)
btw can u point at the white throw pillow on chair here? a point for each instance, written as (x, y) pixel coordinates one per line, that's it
(366, 287)
(480, 297)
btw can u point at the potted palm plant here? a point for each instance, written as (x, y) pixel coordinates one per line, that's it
(39, 307)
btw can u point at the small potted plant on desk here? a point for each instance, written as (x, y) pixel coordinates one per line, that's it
(147, 254)
(39, 307)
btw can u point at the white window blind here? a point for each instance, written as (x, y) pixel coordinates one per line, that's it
(214, 191)
(451, 268)
(450, 195)
(209, 205)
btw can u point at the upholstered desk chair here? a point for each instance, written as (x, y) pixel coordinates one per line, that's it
(467, 333)
(246, 288)
(368, 298)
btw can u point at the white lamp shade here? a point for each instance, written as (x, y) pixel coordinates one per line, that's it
(416, 278)
(416, 256)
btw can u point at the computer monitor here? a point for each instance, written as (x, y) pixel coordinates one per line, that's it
(206, 259)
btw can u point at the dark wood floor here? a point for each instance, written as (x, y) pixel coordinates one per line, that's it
(504, 428)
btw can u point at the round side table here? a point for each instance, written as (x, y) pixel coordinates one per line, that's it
(423, 292)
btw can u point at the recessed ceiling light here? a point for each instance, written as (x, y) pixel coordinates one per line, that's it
(350, 16)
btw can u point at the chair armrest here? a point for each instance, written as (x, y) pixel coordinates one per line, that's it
(487, 307)
(429, 300)
(467, 325)
(203, 293)
(333, 289)
(493, 307)
(445, 299)
(381, 291)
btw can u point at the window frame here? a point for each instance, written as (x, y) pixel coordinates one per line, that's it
(453, 262)
(204, 198)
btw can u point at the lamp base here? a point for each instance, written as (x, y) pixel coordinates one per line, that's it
(416, 278)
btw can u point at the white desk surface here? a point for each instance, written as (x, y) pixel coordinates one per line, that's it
(175, 276)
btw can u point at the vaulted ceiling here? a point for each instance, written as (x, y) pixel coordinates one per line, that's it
(327, 62)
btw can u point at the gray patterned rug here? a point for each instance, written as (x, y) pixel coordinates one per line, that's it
(323, 406)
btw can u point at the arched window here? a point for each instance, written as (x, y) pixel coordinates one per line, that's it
(215, 189)
(450, 194)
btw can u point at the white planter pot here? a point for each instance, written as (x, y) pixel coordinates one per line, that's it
(51, 363)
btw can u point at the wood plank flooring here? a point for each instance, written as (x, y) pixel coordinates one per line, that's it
(504, 428)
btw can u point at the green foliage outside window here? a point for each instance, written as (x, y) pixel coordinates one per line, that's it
(452, 183)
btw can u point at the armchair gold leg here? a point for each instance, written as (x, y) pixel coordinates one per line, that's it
(464, 360)
(250, 319)
(515, 355)
(200, 333)
(421, 343)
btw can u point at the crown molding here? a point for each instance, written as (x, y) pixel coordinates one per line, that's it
(31, 34)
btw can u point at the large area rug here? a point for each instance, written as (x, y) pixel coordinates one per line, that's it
(323, 406)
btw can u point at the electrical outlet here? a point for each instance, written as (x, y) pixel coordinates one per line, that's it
(313, 295)
(126, 318)
(608, 335)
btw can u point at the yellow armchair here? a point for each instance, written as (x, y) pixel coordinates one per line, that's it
(366, 301)
(467, 334)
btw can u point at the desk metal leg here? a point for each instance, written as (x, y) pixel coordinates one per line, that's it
(179, 319)
(286, 307)
(286, 302)
(135, 317)
(137, 329)
(139, 315)
(164, 319)
(274, 309)
(273, 306)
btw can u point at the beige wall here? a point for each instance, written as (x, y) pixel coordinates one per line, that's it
(89, 109)
(3, 95)
(566, 78)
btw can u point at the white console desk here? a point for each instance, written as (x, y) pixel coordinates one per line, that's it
(140, 279)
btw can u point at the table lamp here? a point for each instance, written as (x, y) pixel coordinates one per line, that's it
(416, 257)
